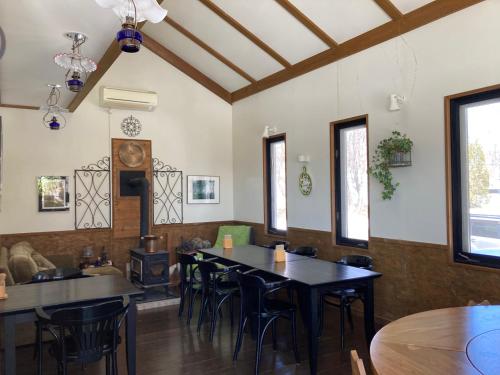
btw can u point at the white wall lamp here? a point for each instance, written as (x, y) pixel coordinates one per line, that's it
(268, 131)
(395, 102)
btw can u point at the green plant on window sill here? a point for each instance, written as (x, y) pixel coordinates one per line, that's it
(385, 152)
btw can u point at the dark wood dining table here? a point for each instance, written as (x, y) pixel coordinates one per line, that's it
(24, 299)
(313, 277)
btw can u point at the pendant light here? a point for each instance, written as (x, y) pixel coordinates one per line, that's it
(131, 12)
(76, 64)
(53, 117)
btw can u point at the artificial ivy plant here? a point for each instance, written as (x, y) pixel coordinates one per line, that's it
(386, 149)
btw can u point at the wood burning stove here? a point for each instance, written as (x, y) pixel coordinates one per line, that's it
(149, 269)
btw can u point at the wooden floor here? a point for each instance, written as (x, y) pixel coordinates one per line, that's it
(166, 345)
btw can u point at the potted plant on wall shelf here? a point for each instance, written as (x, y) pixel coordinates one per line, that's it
(391, 152)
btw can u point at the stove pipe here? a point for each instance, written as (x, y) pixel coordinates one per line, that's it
(141, 186)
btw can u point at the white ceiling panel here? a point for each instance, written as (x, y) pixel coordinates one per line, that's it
(221, 36)
(276, 27)
(195, 55)
(34, 32)
(406, 6)
(343, 19)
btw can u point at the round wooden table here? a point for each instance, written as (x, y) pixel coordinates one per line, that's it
(453, 341)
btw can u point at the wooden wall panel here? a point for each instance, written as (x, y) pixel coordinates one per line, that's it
(416, 276)
(126, 210)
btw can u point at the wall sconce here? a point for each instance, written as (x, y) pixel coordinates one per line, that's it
(268, 131)
(395, 102)
(304, 158)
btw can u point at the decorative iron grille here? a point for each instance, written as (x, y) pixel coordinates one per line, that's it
(93, 195)
(167, 194)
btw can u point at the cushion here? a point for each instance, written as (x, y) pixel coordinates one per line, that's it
(22, 266)
(42, 262)
(240, 234)
(21, 248)
(4, 264)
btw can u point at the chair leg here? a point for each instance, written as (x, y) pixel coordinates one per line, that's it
(231, 309)
(349, 315)
(108, 364)
(213, 321)
(203, 307)
(239, 338)
(190, 309)
(39, 348)
(294, 337)
(115, 363)
(275, 342)
(258, 349)
(342, 318)
(183, 297)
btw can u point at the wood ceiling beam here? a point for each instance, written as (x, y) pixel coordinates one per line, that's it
(103, 66)
(238, 26)
(185, 67)
(389, 8)
(409, 21)
(209, 49)
(307, 22)
(19, 106)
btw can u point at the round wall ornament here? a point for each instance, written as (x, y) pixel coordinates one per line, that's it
(305, 182)
(132, 154)
(131, 126)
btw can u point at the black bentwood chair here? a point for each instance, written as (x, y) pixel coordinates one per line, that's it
(82, 334)
(344, 297)
(263, 311)
(307, 251)
(216, 288)
(190, 286)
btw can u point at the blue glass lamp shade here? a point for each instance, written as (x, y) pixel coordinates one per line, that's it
(74, 84)
(129, 39)
(53, 124)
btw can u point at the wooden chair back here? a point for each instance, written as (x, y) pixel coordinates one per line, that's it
(357, 366)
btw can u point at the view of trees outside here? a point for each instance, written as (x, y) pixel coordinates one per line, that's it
(355, 183)
(278, 184)
(483, 162)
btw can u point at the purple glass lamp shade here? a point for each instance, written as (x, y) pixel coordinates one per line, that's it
(75, 84)
(53, 124)
(129, 39)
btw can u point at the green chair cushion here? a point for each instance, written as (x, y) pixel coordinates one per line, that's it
(239, 233)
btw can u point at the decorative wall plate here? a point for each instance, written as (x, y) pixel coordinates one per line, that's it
(131, 126)
(132, 154)
(305, 182)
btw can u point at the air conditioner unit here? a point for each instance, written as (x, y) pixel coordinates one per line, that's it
(128, 99)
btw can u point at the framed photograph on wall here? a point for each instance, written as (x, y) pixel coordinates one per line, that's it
(53, 193)
(203, 189)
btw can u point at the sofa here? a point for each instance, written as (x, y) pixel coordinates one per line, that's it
(21, 262)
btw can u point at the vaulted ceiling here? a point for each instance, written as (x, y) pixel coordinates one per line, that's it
(235, 48)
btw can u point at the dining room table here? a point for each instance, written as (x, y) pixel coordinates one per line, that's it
(22, 301)
(451, 341)
(312, 277)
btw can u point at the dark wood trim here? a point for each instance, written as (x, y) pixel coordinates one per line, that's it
(238, 26)
(19, 106)
(307, 22)
(186, 68)
(333, 181)
(389, 8)
(410, 21)
(209, 49)
(266, 185)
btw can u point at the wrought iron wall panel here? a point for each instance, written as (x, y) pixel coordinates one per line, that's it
(93, 195)
(167, 194)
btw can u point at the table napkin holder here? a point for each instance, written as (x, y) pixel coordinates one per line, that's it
(3, 293)
(279, 254)
(227, 243)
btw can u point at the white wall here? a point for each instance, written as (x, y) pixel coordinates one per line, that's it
(190, 130)
(455, 54)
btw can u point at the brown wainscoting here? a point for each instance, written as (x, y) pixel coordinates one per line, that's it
(416, 276)
(65, 247)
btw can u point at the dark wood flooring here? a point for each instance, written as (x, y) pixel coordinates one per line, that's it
(166, 345)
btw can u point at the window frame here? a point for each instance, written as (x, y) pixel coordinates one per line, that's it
(336, 195)
(453, 104)
(268, 222)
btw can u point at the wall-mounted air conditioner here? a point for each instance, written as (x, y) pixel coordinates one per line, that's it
(128, 99)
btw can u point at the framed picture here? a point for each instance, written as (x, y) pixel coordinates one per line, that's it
(53, 193)
(203, 189)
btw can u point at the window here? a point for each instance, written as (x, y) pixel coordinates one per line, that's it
(350, 182)
(275, 184)
(474, 162)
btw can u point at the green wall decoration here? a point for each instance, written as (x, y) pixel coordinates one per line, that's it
(305, 182)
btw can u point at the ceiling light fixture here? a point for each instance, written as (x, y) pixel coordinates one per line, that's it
(53, 118)
(131, 12)
(75, 63)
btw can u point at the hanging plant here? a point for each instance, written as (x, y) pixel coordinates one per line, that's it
(391, 152)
